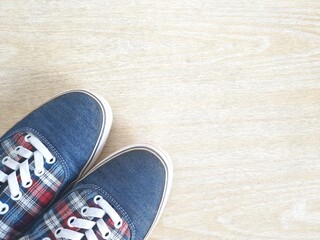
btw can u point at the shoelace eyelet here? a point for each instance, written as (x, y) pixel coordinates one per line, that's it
(56, 233)
(83, 211)
(27, 137)
(106, 235)
(119, 224)
(5, 159)
(17, 197)
(28, 184)
(39, 173)
(52, 160)
(70, 221)
(4, 209)
(17, 149)
(97, 198)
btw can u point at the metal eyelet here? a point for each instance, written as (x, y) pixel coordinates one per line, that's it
(4, 209)
(17, 197)
(57, 232)
(28, 184)
(27, 137)
(97, 198)
(39, 173)
(17, 149)
(5, 159)
(70, 221)
(52, 160)
(106, 235)
(119, 224)
(83, 211)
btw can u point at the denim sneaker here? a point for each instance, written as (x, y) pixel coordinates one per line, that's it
(45, 152)
(121, 198)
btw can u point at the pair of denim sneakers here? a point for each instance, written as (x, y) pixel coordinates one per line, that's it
(49, 190)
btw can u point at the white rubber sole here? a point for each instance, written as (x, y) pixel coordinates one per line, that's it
(166, 161)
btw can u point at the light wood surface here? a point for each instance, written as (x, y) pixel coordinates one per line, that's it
(231, 89)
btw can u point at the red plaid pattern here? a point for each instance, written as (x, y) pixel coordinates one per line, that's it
(34, 199)
(70, 206)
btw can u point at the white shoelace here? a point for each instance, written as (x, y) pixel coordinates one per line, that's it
(91, 212)
(42, 153)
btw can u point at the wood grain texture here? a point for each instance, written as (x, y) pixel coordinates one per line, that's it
(231, 89)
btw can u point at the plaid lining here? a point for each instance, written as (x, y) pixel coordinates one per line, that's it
(34, 199)
(70, 206)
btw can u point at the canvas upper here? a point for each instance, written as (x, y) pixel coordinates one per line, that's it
(128, 190)
(62, 137)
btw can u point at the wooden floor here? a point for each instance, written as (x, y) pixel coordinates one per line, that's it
(231, 89)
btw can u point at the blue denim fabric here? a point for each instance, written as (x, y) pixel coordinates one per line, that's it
(133, 182)
(71, 122)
